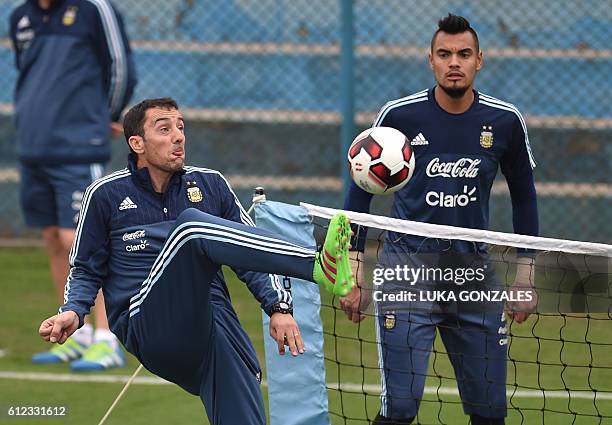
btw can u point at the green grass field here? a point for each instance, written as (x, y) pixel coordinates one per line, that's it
(539, 349)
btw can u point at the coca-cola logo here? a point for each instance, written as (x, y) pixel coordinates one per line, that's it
(464, 167)
(135, 235)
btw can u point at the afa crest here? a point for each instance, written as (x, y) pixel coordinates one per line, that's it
(69, 16)
(194, 194)
(389, 321)
(486, 136)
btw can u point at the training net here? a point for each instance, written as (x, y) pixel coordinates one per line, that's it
(555, 367)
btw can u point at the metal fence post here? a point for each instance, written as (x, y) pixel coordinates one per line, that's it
(347, 59)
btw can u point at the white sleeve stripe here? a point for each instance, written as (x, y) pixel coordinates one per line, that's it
(283, 294)
(514, 109)
(388, 108)
(85, 206)
(392, 103)
(511, 108)
(280, 294)
(117, 51)
(67, 287)
(411, 96)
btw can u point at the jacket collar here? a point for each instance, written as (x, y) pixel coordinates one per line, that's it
(54, 5)
(143, 178)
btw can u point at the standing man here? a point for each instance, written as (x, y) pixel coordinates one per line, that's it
(76, 74)
(154, 236)
(459, 138)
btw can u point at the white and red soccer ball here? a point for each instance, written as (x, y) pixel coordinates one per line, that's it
(380, 160)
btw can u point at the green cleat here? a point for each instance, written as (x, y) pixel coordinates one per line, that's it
(332, 268)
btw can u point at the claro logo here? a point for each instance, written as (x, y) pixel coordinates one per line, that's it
(447, 200)
(137, 247)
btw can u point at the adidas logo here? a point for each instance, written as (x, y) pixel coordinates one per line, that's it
(127, 204)
(23, 22)
(419, 140)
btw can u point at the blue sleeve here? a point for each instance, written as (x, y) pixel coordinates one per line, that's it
(116, 58)
(358, 200)
(267, 288)
(88, 256)
(517, 166)
(524, 205)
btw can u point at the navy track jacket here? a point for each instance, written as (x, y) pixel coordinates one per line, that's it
(457, 157)
(123, 226)
(76, 74)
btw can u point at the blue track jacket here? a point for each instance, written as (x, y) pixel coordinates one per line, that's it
(123, 226)
(76, 74)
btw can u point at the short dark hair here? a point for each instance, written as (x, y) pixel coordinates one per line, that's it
(133, 122)
(454, 24)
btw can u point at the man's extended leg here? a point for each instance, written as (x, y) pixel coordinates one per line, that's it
(185, 330)
(182, 325)
(250, 248)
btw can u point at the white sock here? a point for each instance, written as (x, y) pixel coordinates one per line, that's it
(105, 335)
(84, 336)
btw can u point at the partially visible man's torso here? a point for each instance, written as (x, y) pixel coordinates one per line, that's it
(138, 221)
(61, 101)
(456, 157)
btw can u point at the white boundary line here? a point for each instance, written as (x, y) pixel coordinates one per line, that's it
(349, 387)
(511, 392)
(477, 235)
(21, 243)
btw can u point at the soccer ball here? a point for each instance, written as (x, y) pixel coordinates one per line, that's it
(380, 160)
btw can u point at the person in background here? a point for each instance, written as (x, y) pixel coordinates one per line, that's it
(76, 74)
(460, 137)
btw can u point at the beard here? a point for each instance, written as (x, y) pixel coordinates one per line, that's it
(454, 92)
(166, 165)
(177, 164)
(172, 166)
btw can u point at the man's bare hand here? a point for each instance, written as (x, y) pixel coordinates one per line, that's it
(58, 328)
(358, 300)
(520, 311)
(523, 288)
(285, 331)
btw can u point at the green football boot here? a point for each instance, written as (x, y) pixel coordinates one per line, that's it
(332, 268)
